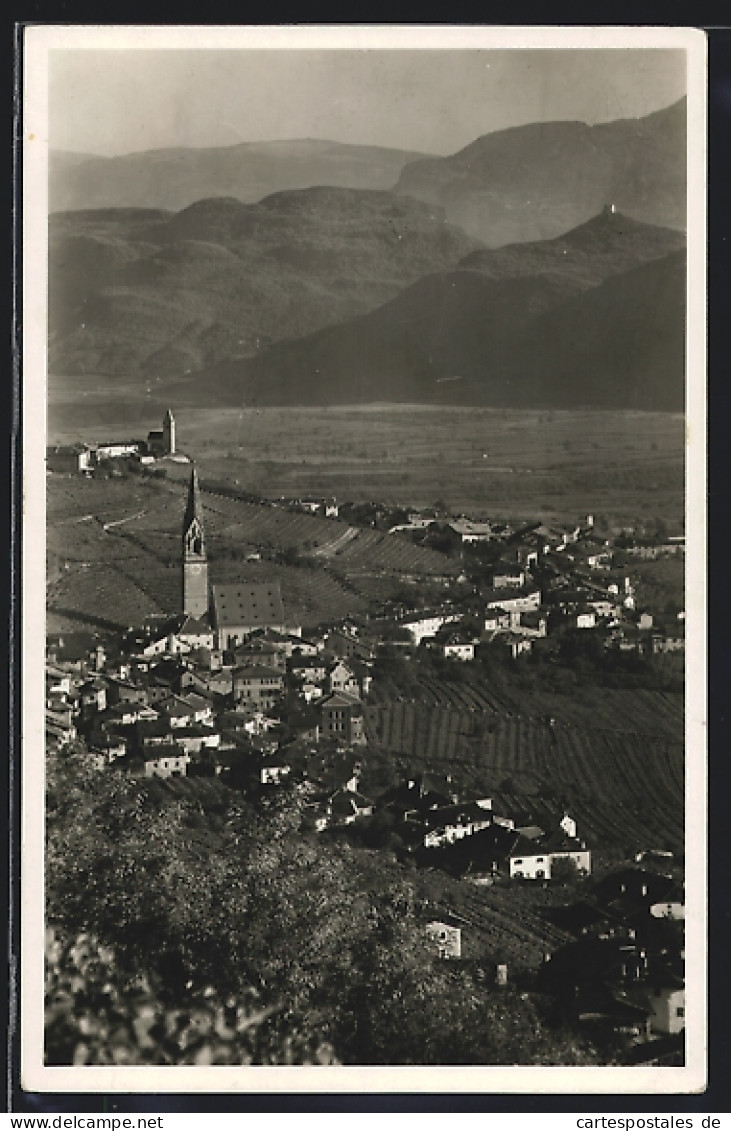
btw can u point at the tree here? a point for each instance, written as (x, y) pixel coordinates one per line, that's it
(209, 900)
(564, 870)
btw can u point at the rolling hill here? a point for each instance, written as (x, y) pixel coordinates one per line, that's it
(172, 179)
(536, 181)
(154, 293)
(594, 318)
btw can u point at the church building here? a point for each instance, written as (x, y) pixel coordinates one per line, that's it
(161, 441)
(234, 610)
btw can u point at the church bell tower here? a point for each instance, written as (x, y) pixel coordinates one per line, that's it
(195, 563)
(168, 433)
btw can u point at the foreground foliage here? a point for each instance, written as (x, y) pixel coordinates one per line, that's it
(191, 928)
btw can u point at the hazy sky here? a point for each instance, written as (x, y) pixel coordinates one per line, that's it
(122, 101)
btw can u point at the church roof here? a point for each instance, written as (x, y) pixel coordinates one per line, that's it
(247, 604)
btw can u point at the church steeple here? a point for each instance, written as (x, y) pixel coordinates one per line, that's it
(195, 562)
(168, 433)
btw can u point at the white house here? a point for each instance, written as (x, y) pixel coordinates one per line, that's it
(167, 765)
(668, 1010)
(447, 937)
(458, 650)
(425, 624)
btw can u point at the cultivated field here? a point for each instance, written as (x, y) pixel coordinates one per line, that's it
(114, 553)
(624, 786)
(494, 462)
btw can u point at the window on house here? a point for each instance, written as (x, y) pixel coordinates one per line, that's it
(518, 861)
(680, 1011)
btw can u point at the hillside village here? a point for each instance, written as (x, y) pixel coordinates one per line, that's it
(232, 688)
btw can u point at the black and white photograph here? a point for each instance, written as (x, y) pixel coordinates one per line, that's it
(363, 712)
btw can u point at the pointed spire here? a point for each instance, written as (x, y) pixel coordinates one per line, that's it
(193, 510)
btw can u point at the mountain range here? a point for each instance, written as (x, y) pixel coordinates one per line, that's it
(171, 179)
(529, 182)
(540, 265)
(593, 318)
(535, 181)
(139, 291)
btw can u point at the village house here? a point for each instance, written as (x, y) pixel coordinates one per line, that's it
(672, 640)
(72, 460)
(286, 643)
(515, 644)
(534, 859)
(258, 651)
(415, 796)
(312, 669)
(58, 682)
(310, 691)
(457, 646)
(219, 683)
(75, 651)
(347, 645)
(340, 677)
(152, 732)
(114, 449)
(60, 729)
(197, 737)
(667, 1005)
(93, 696)
(506, 576)
(446, 934)
(106, 750)
(123, 715)
(168, 761)
(447, 824)
(522, 600)
(343, 808)
(274, 768)
(426, 623)
(191, 632)
(534, 623)
(258, 685)
(126, 692)
(470, 532)
(341, 718)
(497, 619)
(182, 710)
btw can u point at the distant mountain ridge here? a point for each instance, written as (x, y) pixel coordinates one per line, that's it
(154, 293)
(172, 179)
(536, 181)
(596, 318)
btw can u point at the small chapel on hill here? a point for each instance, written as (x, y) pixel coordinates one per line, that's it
(233, 610)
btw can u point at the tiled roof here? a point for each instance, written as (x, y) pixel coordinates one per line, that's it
(247, 604)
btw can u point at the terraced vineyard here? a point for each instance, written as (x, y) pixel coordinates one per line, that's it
(104, 596)
(371, 551)
(633, 711)
(625, 787)
(127, 532)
